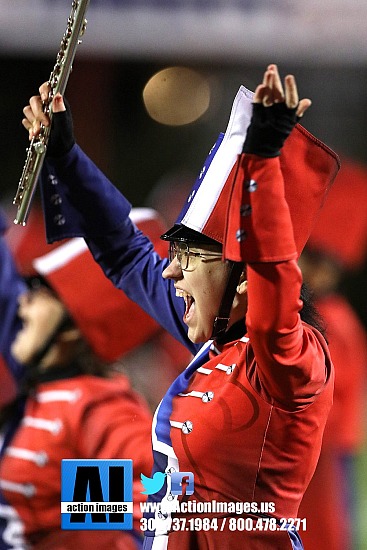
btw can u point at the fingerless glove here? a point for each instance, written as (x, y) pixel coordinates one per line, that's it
(62, 133)
(269, 128)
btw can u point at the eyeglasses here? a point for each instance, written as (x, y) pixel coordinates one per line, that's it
(181, 251)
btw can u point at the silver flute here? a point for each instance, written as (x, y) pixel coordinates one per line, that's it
(58, 80)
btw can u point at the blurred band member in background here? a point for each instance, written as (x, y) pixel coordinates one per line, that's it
(336, 248)
(59, 340)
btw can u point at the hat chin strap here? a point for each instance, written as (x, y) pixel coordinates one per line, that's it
(221, 321)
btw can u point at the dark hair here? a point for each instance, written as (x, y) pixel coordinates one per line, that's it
(309, 312)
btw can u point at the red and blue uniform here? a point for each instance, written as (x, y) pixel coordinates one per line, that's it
(68, 414)
(110, 420)
(247, 416)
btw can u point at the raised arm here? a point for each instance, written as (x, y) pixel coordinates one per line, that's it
(292, 357)
(79, 200)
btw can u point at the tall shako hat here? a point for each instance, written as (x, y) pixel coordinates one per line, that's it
(202, 218)
(110, 322)
(308, 166)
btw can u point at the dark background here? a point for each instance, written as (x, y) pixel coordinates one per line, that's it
(136, 152)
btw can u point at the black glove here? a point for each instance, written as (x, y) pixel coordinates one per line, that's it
(62, 133)
(269, 128)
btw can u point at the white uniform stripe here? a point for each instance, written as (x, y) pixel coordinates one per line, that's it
(203, 370)
(66, 252)
(26, 489)
(160, 446)
(58, 395)
(60, 256)
(192, 394)
(52, 426)
(38, 457)
(175, 424)
(222, 367)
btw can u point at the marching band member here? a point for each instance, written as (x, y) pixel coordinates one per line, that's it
(246, 417)
(73, 326)
(336, 249)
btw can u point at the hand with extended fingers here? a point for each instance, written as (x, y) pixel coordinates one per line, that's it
(34, 114)
(276, 111)
(62, 136)
(271, 91)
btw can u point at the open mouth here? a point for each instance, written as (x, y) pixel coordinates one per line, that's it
(189, 303)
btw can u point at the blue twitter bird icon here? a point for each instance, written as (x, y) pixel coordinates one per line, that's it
(152, 484)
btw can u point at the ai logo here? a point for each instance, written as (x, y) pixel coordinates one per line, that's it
(182, 483)
(96, 494)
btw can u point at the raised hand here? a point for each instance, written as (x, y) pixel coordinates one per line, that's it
(276, 111)
(271, 91)
(62, 135)
(34, 114)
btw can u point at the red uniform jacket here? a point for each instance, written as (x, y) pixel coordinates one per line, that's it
(81, 417)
